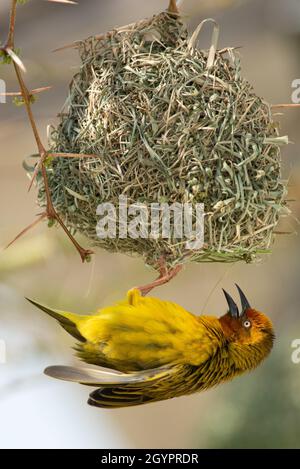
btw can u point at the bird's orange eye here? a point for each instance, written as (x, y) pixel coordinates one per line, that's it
(247, 324)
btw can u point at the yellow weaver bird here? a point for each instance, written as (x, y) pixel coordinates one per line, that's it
(154, 350)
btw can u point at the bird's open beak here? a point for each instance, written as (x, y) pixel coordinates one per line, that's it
(244, 302)
(233, 309)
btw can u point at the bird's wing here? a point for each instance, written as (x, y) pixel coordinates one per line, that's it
(97, 377)
(144, 333)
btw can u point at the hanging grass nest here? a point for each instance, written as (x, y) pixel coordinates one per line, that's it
(167, 122)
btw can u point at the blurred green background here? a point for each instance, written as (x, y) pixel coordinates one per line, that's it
(261, 409)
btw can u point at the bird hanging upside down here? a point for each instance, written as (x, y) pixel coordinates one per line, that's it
(154, 350)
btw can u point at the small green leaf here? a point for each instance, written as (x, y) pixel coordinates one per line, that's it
(51, 222)
(19, 100)
(6, 59)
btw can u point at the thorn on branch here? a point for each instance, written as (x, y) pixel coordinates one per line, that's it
(278, 106)
(73, 45)
(32, 92)
(37, 169)
(63, 1)
(34, 223)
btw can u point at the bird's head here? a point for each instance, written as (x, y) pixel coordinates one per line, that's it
(249, 331)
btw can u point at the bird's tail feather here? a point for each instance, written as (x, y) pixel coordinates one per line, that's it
(104, 377)
(64, 319)
(116, 397)
(115, 389)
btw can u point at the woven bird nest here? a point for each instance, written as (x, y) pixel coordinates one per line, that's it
(167, 122)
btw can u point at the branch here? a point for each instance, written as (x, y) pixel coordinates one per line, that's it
(10, 42)
(50, 212)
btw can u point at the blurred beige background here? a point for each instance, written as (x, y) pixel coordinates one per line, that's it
(258, 410)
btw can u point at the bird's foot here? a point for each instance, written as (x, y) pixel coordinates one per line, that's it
(165, 275)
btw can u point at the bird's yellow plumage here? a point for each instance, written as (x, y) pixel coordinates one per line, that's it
(142, 333)
(159, 350)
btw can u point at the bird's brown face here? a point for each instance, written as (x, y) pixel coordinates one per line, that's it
(247, 326)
